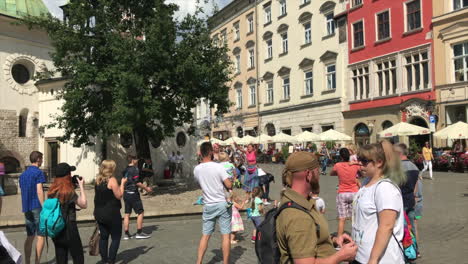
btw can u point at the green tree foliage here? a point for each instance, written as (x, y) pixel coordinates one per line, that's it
(133, 68)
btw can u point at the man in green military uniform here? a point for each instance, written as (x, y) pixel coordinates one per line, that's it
(301, 238)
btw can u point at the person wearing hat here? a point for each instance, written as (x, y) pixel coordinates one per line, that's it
(303, 237)
(63, 188)
(32, 198)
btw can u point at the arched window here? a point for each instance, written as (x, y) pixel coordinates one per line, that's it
(22, 120)
(361, 134)
(386, 124)
(181, 139)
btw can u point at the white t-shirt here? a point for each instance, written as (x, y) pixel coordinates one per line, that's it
(210, 176)
(179, 158)
(365, 221)
(319, 204)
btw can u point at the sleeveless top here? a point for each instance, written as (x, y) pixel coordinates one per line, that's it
(105, 204)
(251, 157)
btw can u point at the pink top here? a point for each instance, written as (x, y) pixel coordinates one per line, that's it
(251, 157)
(346, 177)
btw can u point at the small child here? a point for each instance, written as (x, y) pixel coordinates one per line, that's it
(230, 170)
(257, 210)
(237, 225)
(319, 203)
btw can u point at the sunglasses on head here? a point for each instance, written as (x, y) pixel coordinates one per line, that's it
(364, 161)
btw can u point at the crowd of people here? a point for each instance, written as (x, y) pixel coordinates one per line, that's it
(107, 206)
(378, 188)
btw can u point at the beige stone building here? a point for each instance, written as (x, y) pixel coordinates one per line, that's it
(302, 54)
(450, 25)
(236, 26)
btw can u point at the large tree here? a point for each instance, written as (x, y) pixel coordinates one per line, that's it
(133, 68)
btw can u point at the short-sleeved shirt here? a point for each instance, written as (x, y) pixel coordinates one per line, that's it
(229, 167)
(28, 181)
(368, 202)
(346, 177)
(133, 177)
(427, 153)
(256, 211)
(319, 204)
(296, 231)
(407, 189)
(179, 158)
(210, 176)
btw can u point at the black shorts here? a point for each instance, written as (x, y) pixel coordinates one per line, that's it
(133, 202)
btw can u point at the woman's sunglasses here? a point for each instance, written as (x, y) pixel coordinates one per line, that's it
(364, 161)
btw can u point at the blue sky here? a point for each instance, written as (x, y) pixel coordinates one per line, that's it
(186, 6)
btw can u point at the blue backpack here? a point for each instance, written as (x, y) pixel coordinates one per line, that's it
(51, 222)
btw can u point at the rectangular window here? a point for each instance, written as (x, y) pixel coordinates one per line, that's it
(460, 61)
(383, 22)
(417, 71)
(253, 95)
(361, 82)
(283, 9)
(286, 88)
(326, 128)
(307, 33)
(331, 77)
(267, 11)
(413, 15)
(284, 40)
(387, 79)
(237, 31)
(239, 98)
(251, 58)
(358, 34)
(356, 2)
(269, 51)
(270, 92)
(224, 36)
(308, 82)
(330, 24)
(238, 63)
(459, 4)
(250, 24)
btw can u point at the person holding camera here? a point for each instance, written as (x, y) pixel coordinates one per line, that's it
(108, 194)
(132, 198)
(63, 188)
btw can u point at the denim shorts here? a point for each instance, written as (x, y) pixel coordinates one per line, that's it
(32, 222)
(217, 212)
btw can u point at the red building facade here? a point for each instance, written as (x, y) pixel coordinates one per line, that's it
(390, 70)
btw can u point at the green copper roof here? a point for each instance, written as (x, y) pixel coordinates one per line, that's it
(22, 8)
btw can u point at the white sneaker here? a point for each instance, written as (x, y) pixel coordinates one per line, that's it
(127, 237)
(142, 236)
(266, 203)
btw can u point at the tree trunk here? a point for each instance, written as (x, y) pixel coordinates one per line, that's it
(104, 148)
(141, 143)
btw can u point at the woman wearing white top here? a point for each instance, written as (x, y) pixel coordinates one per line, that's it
(378, 207)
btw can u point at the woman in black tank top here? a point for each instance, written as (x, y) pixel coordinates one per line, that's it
(107, 206)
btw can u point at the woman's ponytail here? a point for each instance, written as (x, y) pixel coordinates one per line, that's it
(392, 169)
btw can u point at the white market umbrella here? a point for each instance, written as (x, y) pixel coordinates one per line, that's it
(404, 129)
(230, 141)
(264, 139)
(283, 138)
(333, 135)
(458, 130)
(212, 140)
(246, 140)
(307, 136)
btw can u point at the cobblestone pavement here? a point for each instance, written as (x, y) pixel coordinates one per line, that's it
(444, 228)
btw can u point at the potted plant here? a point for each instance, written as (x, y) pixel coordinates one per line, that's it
(442, 162)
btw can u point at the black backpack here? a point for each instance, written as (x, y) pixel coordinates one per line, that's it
(266, 244)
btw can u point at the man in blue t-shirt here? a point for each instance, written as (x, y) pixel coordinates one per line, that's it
(132, 198)
(32, 198)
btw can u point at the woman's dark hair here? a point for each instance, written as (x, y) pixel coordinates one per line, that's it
(205, 149)
(344, 154)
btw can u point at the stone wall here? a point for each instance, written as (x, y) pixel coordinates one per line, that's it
(11, 145)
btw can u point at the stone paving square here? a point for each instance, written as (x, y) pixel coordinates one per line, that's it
(444, 232)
